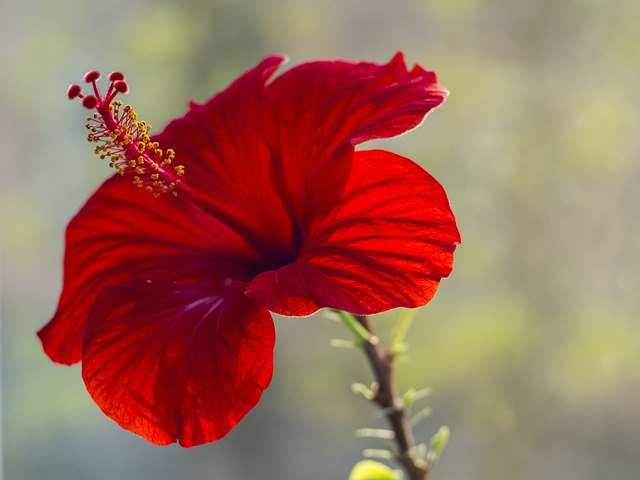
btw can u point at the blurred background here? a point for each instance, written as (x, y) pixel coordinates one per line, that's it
(531, 347)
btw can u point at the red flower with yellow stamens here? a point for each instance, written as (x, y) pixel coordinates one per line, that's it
(166, 300)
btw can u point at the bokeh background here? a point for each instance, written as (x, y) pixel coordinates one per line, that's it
(531, 347)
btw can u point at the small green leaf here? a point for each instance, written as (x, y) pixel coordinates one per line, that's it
(340, 343)
(387, 454)
(371, 470)
(412, 395)
(421, 415)
(420, 450)
(375, 433)
(437, 444)
(363, 390)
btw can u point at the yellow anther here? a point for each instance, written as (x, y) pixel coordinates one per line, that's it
(131, 151)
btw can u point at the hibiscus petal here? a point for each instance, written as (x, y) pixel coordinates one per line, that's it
(177, 362)
(324, 104)
(123, 231)
(386, 244)
(227, 163)
(317, 109)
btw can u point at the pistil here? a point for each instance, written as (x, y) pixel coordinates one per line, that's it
(125, 140)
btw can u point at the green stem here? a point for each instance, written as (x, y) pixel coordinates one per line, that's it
(363, 335)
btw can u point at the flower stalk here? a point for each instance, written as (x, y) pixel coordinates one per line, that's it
(388, 400)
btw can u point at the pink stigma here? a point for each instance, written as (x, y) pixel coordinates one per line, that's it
(74, 91)
(89, 102)
(121, 87)
(115, 76)
(91, 77)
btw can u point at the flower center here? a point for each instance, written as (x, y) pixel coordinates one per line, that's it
(124, 139)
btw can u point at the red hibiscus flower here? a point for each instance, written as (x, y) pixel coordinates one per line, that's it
(166, 300)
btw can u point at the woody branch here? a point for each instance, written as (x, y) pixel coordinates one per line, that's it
(387, 398)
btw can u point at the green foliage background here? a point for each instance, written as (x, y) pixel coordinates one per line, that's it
(532, 346)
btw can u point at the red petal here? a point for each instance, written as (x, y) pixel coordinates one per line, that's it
(387, 244)
(124, 231)
(319, 108)
(328, 103)
(177, 362)
(227, 162)
(252, 150)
